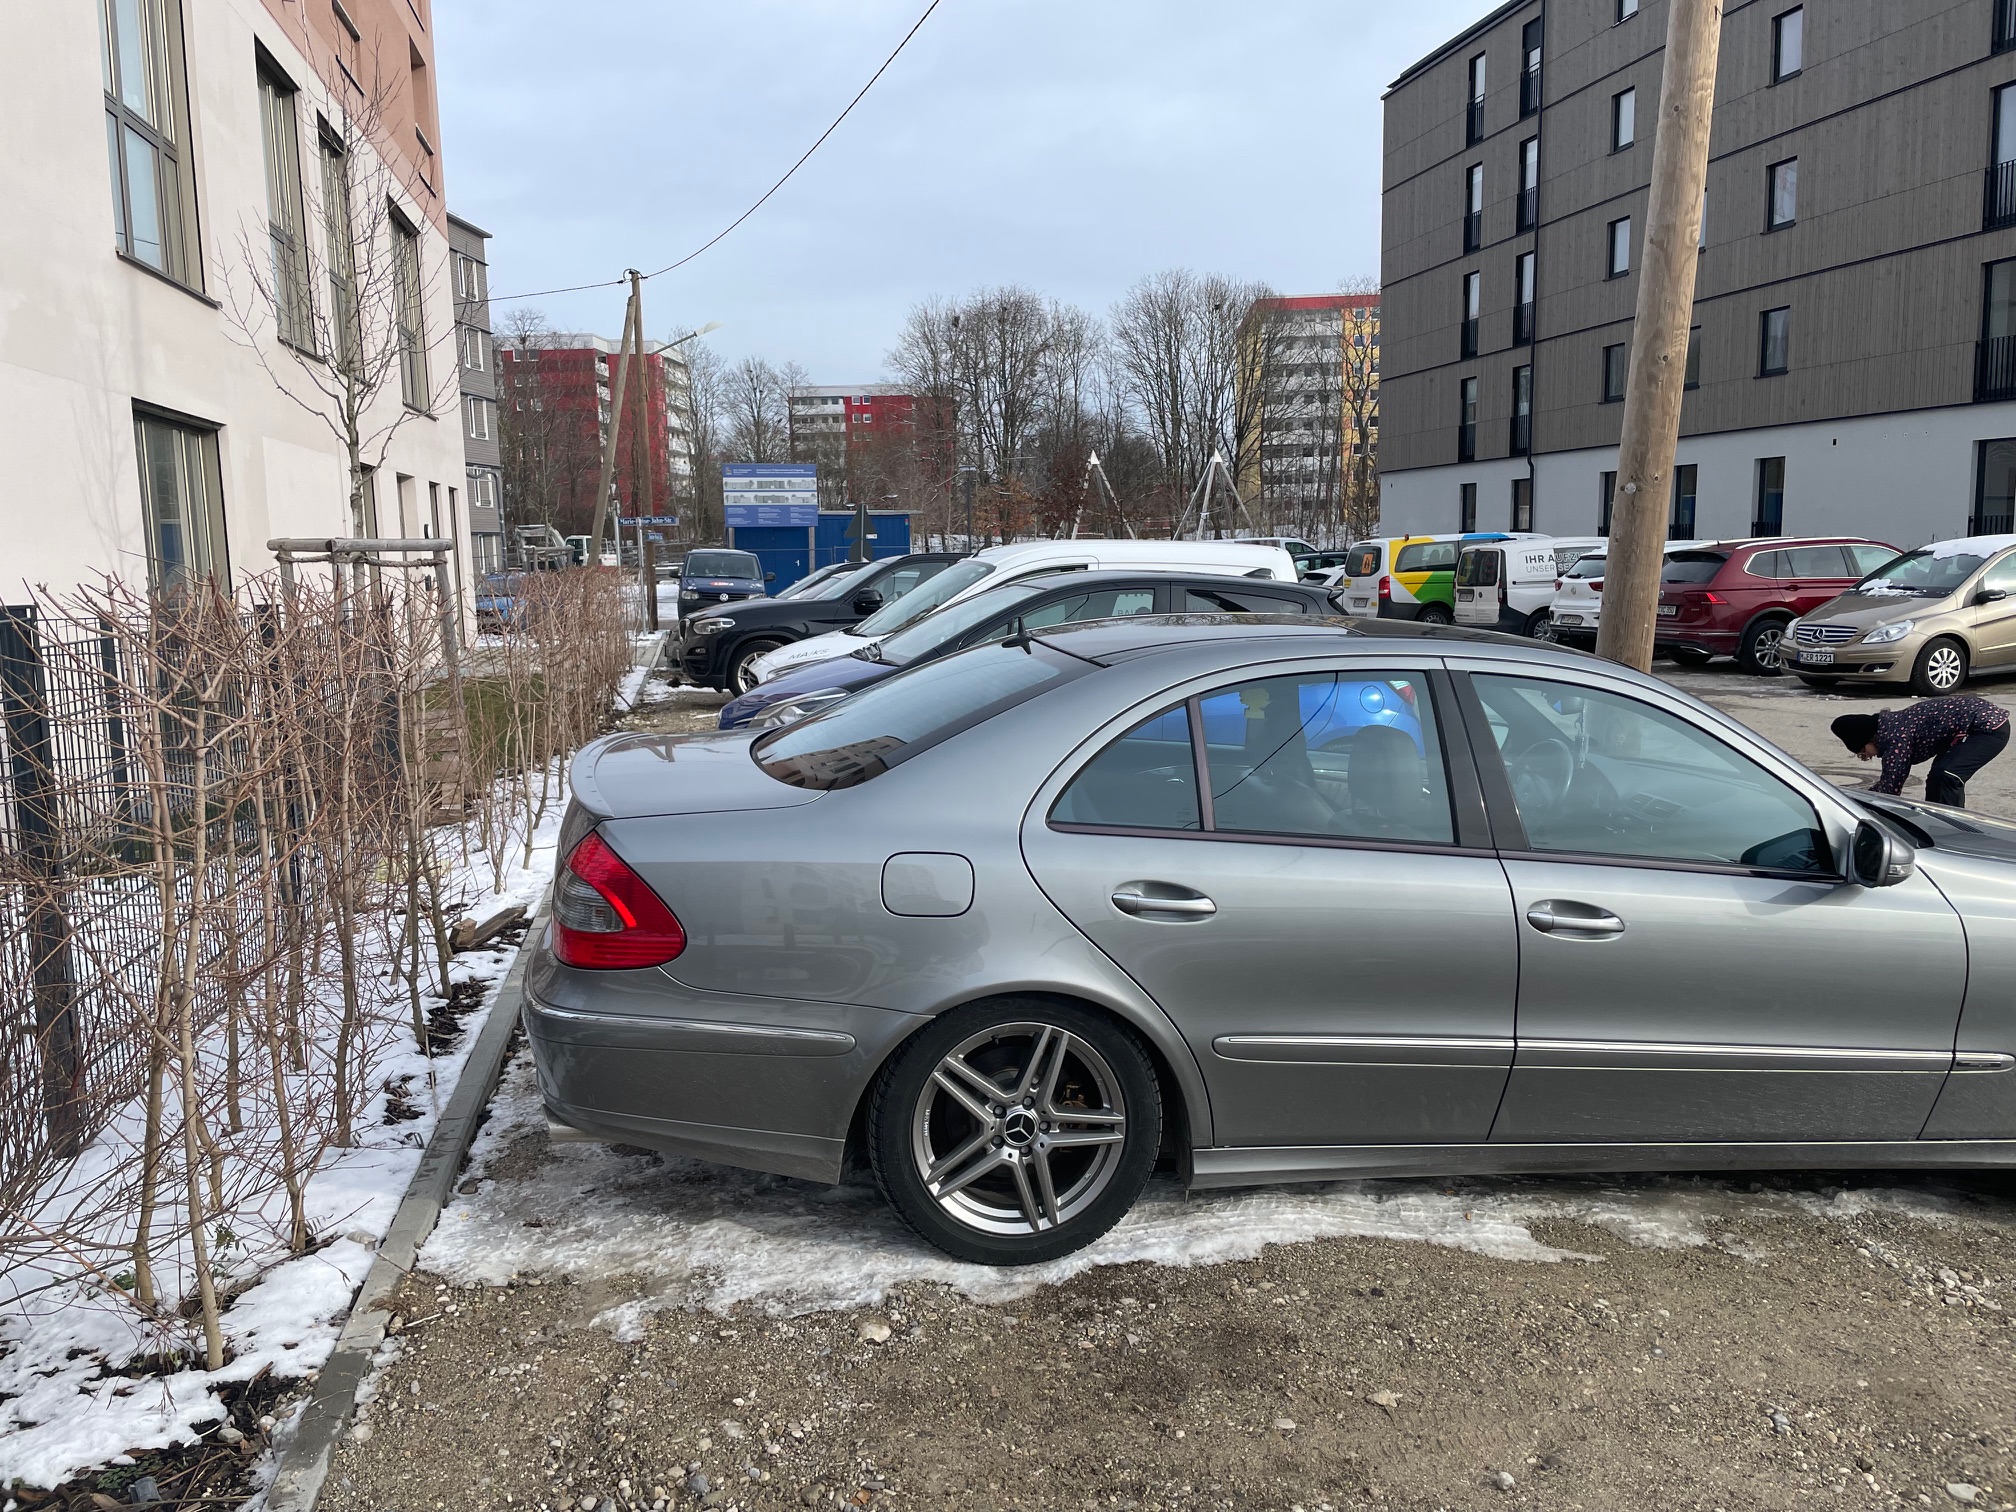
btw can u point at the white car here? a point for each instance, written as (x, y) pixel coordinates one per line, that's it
(1577, 610)
(1002, 564)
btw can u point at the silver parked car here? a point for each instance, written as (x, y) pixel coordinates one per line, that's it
(1272, 900)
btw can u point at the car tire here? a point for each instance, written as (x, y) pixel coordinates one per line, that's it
(1436, 614)
(1820, 684)
(740, 679)
(1690, 657)
(1941, 667)
(1540, 626)
(917, 1123)
(1761, 654)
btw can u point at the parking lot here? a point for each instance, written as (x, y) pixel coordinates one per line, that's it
(603, 1329)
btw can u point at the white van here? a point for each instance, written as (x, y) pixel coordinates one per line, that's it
(1003, 564)
(1507, 585)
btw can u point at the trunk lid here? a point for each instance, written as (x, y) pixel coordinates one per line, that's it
(632, 775)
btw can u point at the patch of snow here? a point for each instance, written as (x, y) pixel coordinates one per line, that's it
(1981, 546)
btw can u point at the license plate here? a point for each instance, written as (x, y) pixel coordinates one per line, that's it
(1364, 603)
(1466, 594)
(1668, 611)
(1816, 658)
(1567, 619)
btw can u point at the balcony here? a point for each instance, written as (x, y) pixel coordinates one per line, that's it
(1470, 338)
(1474, 123)
(2005, 25)
(2000, 209)
(1529, 87)
(1466, 442)
(1529, 208)
(1522, 324)
(1473, 230)
(1995, 368)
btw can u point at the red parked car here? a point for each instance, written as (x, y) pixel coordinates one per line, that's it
(1735, 598)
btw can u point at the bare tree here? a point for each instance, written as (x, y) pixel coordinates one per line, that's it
(331, 294)
(1359, 408)
(756, 404)
(709, 376)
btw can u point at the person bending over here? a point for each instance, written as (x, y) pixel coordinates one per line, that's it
(1958, 734)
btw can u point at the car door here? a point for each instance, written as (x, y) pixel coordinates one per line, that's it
(1817, 575)
(1319, 917)
(1692, 965)
(1995, 618)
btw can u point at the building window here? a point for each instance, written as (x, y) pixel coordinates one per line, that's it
(1529, 73)
(1466, 507)
(181, 490)
(293, 315)
(481, 427)
(1474, 116)
(412, 327)
(1788, 44)
(340, 255)
(1522, 504)
(1523, 270)
(349, 45)
(2005, 25)
(1473, 299)
(1620, 247)
(1782, 195)
(1995, 355)
(1623, 119)
(475, 347)
(1466, 428)
(1616, 367)
(2001, 210)
(468, 277)
(1529, 183)
(1693, 378)
(146, 105)
(1626, 9)
(1774, 343)
(1686, 481)
(1606, 500)
(1522, 411)
(1768, 519)
(1994, 487)
(1473, 208)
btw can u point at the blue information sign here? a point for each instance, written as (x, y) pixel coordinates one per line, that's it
(800, 516)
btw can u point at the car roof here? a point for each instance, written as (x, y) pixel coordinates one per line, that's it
(1174, 551)
(1064, 578)
(1111, 640)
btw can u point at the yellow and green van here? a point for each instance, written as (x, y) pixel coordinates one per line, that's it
(1407, 577)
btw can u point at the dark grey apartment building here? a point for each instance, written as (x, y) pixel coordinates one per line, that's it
(476, 359)
(1853, 362)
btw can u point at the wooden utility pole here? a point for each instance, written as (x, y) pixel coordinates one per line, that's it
(1654, 390)
(643, 495)
(633, 336)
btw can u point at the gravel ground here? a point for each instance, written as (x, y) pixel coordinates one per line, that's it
(1794, 1342)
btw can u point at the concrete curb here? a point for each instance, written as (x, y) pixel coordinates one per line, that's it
(305, 1456)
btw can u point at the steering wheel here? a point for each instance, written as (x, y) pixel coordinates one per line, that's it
(1542, 776)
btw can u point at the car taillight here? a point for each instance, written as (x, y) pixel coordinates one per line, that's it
(1595, 585)
(1501, 590)
(1386, 589)
(1557, 585)
(1713, 598)
(605, 916)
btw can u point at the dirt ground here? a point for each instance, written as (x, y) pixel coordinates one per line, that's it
(1816, 1342)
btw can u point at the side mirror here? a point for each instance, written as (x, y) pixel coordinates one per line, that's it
(1877, 858)
(867, 601)
(769, 577)
(1991, 595)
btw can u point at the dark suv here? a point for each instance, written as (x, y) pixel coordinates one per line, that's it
(717, 644)
(714, 575)
(1735, 598)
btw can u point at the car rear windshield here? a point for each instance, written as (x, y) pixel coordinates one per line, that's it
(1692, 566)
(1426, 556)
(1586, 567)
(1362, 561)
(1478, 569)
(863, 736)
(735, 564)
(921, 600)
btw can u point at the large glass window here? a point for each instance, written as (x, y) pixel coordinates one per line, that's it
(1620, 247)
(1606, 502)
(146, 98)
(1788, 44)
(1616, 368)
(1466, 507)
(1623, 119)
(1994, 488)
(1774, 342)
(293, 316)
(181, 490)
(413, 387)
(1769, 518)
(1595, 773)
(1466, 426)
(339, 253)
(1686, 487)
(1473, 308)
(1783, 194)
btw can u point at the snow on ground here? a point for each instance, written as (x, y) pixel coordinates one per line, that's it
(63, 1406)
(707, 1236)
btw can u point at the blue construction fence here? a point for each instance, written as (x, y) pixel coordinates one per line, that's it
(791, 551)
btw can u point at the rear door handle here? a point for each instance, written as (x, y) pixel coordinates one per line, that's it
(1190, 905)
(1560, 916)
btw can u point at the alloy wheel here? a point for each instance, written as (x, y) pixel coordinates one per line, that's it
(1018, 1129)
(1768, 647)
(1944, 668)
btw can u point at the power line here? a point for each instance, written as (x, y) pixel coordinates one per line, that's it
(722, 234)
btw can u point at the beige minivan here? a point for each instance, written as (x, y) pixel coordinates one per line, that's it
(1927, 619)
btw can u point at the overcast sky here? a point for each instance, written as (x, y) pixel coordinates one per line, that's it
(1071, 146)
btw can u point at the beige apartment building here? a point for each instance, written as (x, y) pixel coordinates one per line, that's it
(1853, 363)
(235, 203)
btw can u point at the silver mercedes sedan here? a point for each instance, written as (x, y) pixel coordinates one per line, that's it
(1269, 900)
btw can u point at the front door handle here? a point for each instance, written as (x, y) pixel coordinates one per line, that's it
(1560, 916)
(1186, 903)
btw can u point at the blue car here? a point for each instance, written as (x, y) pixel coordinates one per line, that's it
(711, 576)
(1035, 603)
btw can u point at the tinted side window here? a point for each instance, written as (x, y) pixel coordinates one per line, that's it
(1594, 773)
(1868, 558)
(1426, 556)
(1342, 755)
(1147, 779)
(1106, 603)
(1362, 561)
(1818, 562)
(2002, 576)
(1767, 564)
(1240, 601)
(1478, 569)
